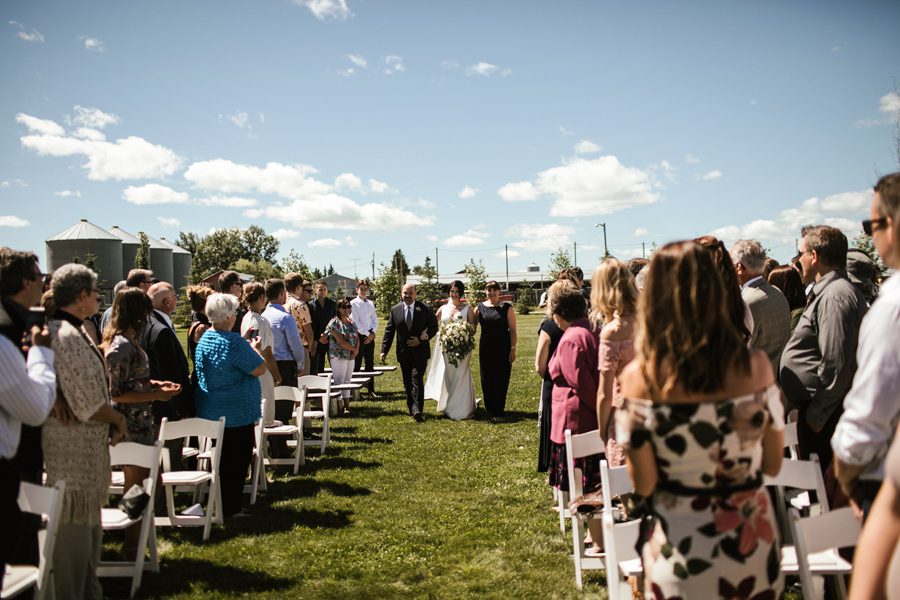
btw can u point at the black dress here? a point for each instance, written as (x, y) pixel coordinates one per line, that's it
(552, 329)
(493, 355)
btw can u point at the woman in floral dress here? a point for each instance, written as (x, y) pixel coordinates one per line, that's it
(343, 346)
(702, 423)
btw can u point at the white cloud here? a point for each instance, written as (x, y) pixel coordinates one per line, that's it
(848, 201)
(587, 147)
(394, 64)
(598, 186)
(565, 131)
(641, 232)
(93, 44)
(691, 159)
(92, 118)
(669, 171)
(169, 222)
(89, 134)
(518, 192)
(379, 187)
(358, 60)
(540, 236)
(12, 182)
(226, 201)
(347, 182)
(450, 65)
(710, 176)
(348, 72)
(240, 119)
(431, 238)
(468, 192)
(472, 237)
(285, 234)
(68, 194)
(153, 193)
(332, 243)
(327, 9)
(11, 221)
(890, 105)
(40, 126)
(222, 175)
(485, 69)
(34, 36)
(509, 253)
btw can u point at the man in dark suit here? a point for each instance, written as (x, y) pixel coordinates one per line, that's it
(321, 311)
(414, 324)
(167, 361)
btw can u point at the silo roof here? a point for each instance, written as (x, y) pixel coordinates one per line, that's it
(175, 249)
(127, 238)
(155, 243)
(83, 230)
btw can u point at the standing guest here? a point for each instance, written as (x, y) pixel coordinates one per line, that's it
(737, 309)
(138, 278)
(863, 273)
(362, 311)
(770, 309)
(549, 335)
(322, 310)
(230, 283)
(636, 264)
(130, 386)
(819, 361)
(872, 406)
(228, 371)
(27, 392)
(197, 296)
(77, 450)
(299, 292)
(257, 326)
(343, 347)
(575, 378)
(703, 422)
(496, 348)
(787, 279)
(770, 266)
(106, 314)
(614, 297)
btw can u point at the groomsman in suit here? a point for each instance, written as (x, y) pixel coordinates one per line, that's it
(414, 324)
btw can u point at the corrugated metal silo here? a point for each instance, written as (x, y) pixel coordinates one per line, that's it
(130, 244)
(181, 264)
(161, 260)
(80, 240)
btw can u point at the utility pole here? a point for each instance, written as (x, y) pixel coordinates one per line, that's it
(605, 248)
(575, 245)
(643, 250)
(437, 265)
(373, 266)
(506, 251)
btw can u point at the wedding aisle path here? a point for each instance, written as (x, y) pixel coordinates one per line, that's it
(395, 509)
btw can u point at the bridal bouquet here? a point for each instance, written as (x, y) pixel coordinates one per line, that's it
(457, 340)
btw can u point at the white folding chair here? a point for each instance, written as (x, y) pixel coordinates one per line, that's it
(815, 551)
(115, 519)
(802, 475)
(197, 480)
(294, 396)
(622, 560)
(791, 442)
(315, 382)
(38, 500)
(580, 446)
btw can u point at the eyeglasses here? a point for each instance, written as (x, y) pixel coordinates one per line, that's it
(38, 275)
(870, 225)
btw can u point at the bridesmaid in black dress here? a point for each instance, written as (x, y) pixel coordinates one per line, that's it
(496, 348)
(549, 335)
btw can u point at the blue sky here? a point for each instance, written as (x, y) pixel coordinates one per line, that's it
(352, 127)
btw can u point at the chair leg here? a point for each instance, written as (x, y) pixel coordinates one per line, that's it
(561, 499)
(577, 550)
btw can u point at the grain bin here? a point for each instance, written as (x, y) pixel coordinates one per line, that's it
(161, 260)
(85, 242)
(130, 245)
(181, 264)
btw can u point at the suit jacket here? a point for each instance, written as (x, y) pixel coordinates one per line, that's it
(321, 315)
(169, 363)
(423, 320)
(771, 319)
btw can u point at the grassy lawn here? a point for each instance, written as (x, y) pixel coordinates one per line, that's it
(394, 509)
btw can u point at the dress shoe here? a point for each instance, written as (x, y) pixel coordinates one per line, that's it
(419, 417)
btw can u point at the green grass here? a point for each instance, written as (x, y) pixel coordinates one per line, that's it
(395, 510)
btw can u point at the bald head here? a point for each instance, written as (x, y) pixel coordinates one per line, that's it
(163, 297)
(408, 293)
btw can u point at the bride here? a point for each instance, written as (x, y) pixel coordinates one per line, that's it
(452, 386)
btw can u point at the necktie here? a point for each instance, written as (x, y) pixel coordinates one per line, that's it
(409, 317)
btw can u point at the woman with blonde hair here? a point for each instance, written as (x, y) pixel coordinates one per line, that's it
(703, 421)
(614, 303)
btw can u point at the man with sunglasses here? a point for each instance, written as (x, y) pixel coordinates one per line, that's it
(871, 409)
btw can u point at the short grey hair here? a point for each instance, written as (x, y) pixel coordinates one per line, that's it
(119, 287)
(69, 281)
(220, 307)
(750, 254)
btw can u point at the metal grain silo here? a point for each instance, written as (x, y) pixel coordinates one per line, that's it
(130, 244)
(161, 260)
(181, 264)
(82, 240)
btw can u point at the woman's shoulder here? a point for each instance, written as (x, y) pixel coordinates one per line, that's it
(617, 330)
(632, 381)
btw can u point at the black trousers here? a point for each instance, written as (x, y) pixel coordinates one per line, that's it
(413, 370)
(318, 361)
(10, 515)
(367, 354)
(810, 441)
(278, 447)
(29, 462)
(237, 453)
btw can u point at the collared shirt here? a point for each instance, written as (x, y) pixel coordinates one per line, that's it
(165, 319)
(872, 407)
(363, 314)
(819, 360)
(300, 311)
(27, 391)
(287, 339)
(749, 281)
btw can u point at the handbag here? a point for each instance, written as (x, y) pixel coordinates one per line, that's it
(134, 502)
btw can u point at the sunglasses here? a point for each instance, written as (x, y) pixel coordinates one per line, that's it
(870, 225)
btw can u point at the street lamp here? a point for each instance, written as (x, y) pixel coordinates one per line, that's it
(605, 249)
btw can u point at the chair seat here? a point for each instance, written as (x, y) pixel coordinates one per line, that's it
(313, 414)
(185, 477)
(18, 578)
(115, 519)
(281, 430)
(118, 479)
(188, 452)
(827, 562)
(801, 501)
(631, 568)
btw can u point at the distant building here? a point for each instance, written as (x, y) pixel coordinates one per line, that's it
(213, 280)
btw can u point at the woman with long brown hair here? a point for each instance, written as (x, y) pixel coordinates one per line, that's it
(702, 422)
(738, 311)
(787, 279)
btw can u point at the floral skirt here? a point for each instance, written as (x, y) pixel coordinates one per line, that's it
(559, 473)
(139, 422)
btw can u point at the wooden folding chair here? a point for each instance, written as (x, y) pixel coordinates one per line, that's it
(207, 481)
(115, 519)
(815, 551)
(43, 501)
(580, 446)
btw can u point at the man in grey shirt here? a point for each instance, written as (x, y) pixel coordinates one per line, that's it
(819, 361)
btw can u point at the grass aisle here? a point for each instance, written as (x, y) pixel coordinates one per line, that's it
(395, 509)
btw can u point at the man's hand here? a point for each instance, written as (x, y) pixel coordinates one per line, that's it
(166, 390)
(369, 339)
(413, 342)
(512, 356)
(312, 348)
(40, 337)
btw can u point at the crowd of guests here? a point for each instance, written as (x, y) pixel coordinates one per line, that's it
(688, 365)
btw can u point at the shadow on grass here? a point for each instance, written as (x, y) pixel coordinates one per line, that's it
(372, 412)
(509, 416)
(332, 461)
(352, 440)
(299, 488)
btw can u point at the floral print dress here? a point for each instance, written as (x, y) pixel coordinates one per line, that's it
(128, 369)
(710, 528)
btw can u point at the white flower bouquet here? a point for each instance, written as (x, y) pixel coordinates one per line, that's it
(457, 340)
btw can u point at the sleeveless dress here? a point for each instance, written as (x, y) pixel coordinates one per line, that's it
(493, 355)
(709, 529)
(451, 386)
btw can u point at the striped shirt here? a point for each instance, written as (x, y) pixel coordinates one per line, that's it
(27, 391)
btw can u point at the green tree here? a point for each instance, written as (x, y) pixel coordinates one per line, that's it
(188, 241)
(428, 290)
(295, 263)
(524, 301)
(476, 278)
(399, 264)
(864, 242)
(559, 261)
(260, 269)
(257, 245)
(224, 247)
(385, 290)
(142, 258)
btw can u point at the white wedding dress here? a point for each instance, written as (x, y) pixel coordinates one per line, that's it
(451, 386)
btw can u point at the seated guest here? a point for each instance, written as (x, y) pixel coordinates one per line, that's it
(228, 371)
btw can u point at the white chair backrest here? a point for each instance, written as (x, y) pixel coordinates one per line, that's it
(791, 440)
(619, 540)
(203, 428)
(138, 455)
(315, 382)
(835, 529)
(288, 392)
(616, 482)
(580, 445)
(40, 500)
(804, 475)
